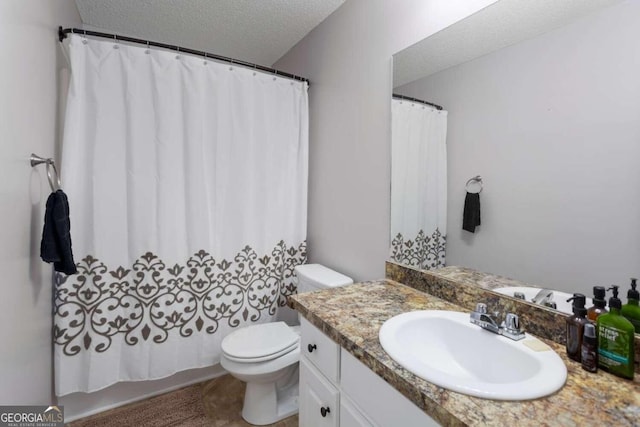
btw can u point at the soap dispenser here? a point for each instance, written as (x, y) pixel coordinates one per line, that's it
(631, 310)
(589, 348)
(575, 327)
(599, 303)
(615, 340)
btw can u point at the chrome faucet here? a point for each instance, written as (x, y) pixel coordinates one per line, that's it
(509, 328)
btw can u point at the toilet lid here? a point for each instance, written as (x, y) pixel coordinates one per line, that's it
(263, 341)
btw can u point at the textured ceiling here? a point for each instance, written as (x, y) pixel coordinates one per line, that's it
(501, 24)
(257, 31)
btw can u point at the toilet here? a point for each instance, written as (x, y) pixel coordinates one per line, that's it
(266, 356)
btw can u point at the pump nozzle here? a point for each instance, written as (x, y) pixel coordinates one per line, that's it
(614, 301)
(579, 301)
(633, 293)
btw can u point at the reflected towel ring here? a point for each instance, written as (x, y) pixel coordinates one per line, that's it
(477, 180)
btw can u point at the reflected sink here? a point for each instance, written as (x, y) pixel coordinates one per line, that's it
(444, 348)
(560, 298)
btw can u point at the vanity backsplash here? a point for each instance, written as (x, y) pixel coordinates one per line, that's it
(466, 287)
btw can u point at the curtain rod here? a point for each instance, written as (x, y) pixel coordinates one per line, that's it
(408, 98)
(62, 34)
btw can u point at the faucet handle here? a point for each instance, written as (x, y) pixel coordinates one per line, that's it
(481, 308)
(512, 322)
(511, 327)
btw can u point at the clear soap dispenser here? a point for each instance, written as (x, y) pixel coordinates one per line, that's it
(599, 303)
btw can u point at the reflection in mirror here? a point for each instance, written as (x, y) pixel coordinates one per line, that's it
(418, 183)
(551, 123)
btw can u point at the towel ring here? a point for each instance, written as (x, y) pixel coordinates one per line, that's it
(55, 185)
(37, 160)
(477, 180)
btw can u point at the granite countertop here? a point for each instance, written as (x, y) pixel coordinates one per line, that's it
(473, 277)
(352, 316)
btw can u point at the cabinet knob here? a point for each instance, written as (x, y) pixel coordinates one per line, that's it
(311, 347)
(324, 411)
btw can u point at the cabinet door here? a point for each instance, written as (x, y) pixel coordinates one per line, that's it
(318, 398)
(382, 404)
(350, 416)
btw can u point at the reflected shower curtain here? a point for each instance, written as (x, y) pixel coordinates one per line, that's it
(418, 185)
(187, 181)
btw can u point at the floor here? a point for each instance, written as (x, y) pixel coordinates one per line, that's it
(215, 403)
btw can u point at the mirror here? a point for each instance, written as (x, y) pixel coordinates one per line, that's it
(543, 103)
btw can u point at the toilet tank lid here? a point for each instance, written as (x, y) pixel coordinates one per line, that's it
(321, 275)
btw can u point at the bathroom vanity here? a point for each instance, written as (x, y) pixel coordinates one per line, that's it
(338, 390)
(347, 376)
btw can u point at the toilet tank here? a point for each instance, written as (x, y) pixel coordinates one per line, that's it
(312, 277)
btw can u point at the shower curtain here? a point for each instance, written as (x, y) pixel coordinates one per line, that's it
(187, 181)
(418, 185)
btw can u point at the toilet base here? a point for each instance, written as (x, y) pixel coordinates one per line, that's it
(267, 403)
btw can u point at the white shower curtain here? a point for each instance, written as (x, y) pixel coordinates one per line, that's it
(418, 184)
(187, 181)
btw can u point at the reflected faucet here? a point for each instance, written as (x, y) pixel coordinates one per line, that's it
(543, 297)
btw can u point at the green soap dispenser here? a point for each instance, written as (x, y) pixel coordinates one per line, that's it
(615, 340)
(631, 310)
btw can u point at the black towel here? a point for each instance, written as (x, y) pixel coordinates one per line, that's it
(56, 238)
(471, 215)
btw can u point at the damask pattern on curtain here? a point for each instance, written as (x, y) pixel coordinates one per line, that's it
(418, 185)
(187, 181)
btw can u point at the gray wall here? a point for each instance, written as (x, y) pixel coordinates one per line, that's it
(348, 60)
(553, 126)
(31, 78)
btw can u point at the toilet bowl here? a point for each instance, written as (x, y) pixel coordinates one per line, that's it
(266, 356)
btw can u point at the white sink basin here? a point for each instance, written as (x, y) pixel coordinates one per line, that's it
(560, 298)
(444, 348)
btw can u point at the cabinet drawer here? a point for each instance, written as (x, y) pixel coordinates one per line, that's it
(320, 350)
(319, 399)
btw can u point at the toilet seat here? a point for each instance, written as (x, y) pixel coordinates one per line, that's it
(259, 343)
(264, 358)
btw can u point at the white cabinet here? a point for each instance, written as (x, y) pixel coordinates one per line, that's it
(320, 350)
(319, 399)
(381, 403)
(350, 416)
(336, 389)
